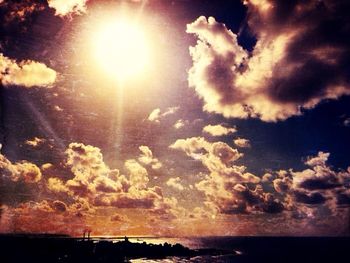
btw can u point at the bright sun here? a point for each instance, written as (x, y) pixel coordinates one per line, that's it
(121, 49)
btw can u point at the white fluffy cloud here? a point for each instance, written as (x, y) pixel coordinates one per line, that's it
(146, 157)
(66, 7)
(19, 171)
(218, 130)
(175, 182)
(241, 142)
(224, 175)
(25, 73)
(101, 186)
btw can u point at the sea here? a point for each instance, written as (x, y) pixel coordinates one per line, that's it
(256, 249)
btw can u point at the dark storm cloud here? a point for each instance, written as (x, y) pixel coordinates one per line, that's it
(273, 206)
(320, 183)
(301, 58)
(14, 12)
(312, 198)
(343, 197)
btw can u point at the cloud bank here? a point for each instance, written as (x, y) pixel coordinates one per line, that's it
(316, 193)
(101, 186)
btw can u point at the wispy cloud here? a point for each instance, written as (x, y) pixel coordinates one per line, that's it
(156, 115)
(35, 141)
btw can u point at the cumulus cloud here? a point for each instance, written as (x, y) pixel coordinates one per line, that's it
(267, 178)
(241, 142)
(230, 189)
(319, 177)
(138, 174)
(146, 157)
(19, 171)
(199, 148)
(67, 7)
(224, 185)
(168, 209)
(283, 183)
(175, 182)
(193, 147)
(316, 188)
(218, 130)
(299, 60)
(99, 185)
(156, 115)
(25, 73)
(91, 174)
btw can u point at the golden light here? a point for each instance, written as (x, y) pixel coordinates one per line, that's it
(121, 48)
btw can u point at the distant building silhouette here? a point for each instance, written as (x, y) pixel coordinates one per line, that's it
(86, 234)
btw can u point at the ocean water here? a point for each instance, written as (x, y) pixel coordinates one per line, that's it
(205, 259)
(260, 249)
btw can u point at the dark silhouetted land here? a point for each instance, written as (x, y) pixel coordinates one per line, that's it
(57, 248)
(65, 249)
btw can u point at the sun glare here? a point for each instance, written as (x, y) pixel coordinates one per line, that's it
(121, 49)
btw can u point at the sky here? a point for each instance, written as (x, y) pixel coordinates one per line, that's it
(175, 118)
